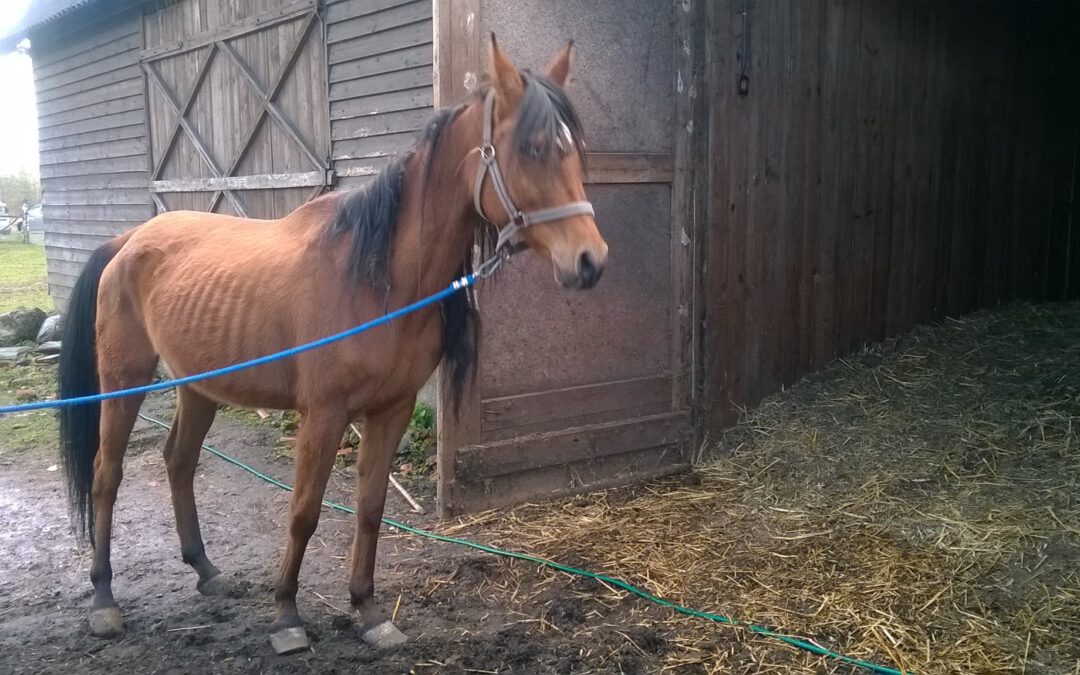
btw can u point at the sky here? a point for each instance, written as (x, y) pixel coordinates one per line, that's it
(18, 113)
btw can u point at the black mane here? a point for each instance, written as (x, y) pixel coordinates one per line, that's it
(369, 213)
(368, 216)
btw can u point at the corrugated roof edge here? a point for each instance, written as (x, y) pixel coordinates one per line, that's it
(34, 20)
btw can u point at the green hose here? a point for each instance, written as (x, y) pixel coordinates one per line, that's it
(619, 583)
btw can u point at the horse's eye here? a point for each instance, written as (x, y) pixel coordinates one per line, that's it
(531, 150)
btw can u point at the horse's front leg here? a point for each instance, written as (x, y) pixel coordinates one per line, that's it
(382, 433)
(317, 444)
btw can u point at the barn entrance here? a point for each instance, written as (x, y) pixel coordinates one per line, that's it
(236, 116)
(581, 391)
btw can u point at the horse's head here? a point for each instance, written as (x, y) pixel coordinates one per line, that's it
(531, 176)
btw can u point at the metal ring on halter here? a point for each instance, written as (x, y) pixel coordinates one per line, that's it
(489, 266)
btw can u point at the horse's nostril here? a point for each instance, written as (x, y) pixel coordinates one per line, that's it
(588, 271)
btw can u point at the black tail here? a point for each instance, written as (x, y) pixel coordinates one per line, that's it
(79, 425)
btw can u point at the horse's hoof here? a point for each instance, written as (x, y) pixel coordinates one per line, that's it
(384, 635)
(212, 587)
(106, 622)
(289, 640)
(220, 587)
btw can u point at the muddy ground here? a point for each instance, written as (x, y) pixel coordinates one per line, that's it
(455, 603)
(913, 505)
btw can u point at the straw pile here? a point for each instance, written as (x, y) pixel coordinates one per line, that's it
(914, 505)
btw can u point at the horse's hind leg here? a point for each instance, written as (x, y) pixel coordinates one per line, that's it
(194, 415)
(382, 433)
(117, 419)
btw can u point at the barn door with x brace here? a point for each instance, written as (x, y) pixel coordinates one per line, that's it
(237, 115)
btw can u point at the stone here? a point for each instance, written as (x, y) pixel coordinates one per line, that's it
(13, 353)
(384, 636)
(289, 641)
(51, 347)
(52, 329)
(20, 325)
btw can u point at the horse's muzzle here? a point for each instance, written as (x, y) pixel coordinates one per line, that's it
(587, 272)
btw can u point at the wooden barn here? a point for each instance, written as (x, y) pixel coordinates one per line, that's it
(780, 181)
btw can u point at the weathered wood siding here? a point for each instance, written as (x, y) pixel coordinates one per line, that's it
(92, 135)
(890, 164)
(255, 73)
(380, 60)
(100, 145)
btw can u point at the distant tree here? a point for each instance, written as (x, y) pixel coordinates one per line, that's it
(18, 188)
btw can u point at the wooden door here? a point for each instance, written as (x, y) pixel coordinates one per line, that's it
(581, 390)
(238, 115)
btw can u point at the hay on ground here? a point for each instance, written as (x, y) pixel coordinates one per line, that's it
(915, 505)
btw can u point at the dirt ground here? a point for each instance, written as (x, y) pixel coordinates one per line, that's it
(453, 602)
(913, 505)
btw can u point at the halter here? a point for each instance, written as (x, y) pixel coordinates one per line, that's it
(519, 220)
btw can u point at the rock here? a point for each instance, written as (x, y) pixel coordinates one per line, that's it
(12, 353)
(22, 395)
(52, 329)
(20, 325)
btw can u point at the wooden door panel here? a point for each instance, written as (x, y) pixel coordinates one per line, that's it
(240, 109)
(560, 338)
(564, 462)
(580, 390)
(504, 417)
(623, 75)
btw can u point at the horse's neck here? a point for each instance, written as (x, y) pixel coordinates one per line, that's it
(436, 222)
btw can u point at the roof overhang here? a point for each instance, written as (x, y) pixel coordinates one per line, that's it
(38, 14)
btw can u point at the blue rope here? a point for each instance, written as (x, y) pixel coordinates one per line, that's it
(462, 283)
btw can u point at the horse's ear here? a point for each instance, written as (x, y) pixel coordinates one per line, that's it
(559, 70)
(504, 76)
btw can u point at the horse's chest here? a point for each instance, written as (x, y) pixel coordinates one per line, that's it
(401, 362)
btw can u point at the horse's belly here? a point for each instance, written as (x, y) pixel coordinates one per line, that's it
(198, 325)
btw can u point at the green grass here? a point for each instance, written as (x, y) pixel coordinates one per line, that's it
(35, 431)
(22, 284)
(22, 275)
(420, 437)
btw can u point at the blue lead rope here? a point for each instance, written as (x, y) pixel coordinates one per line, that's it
(458, 285)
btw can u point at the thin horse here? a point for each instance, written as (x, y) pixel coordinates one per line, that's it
(199, 291)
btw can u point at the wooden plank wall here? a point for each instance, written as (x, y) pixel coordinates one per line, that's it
(92, 136)
(226, 106)
(380, 59)
(891, 163)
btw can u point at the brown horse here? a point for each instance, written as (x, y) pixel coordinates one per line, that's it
(199, 291)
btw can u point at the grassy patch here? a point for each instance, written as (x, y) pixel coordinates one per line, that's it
(37, 430)
(22, 275)
(417, 445)
(420, 440)
(285, 422)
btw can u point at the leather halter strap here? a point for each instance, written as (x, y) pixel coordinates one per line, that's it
(519, 220)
